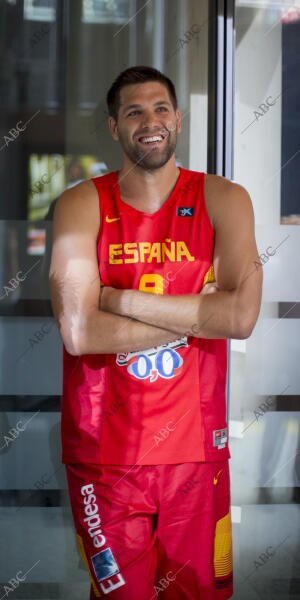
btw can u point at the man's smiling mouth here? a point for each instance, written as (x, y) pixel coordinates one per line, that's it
(152, 140)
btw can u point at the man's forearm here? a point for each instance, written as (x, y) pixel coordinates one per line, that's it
(106, 333)
(226, 314)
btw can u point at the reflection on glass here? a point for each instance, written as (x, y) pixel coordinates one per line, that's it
(50, 174)
(39, 10)
(106, 11)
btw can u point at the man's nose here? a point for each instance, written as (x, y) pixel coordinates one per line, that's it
(150, 120)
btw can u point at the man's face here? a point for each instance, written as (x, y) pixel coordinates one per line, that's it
(147, 124)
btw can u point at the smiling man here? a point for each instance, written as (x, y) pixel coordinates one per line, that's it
(152, 271)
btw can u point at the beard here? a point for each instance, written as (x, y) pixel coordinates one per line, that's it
(152, 158)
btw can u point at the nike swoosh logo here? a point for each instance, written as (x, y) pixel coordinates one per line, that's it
(217, 477)
(108, 220)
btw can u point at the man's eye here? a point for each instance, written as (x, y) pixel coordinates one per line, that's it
(164, 108)
(133, 113)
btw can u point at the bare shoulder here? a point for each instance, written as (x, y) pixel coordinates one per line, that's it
(78, 204)
(225, 199)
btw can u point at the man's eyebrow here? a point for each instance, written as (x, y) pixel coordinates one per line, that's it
(131, 106)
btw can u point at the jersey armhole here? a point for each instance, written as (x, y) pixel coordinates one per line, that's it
(93, 179)
(209, 276)
(205, 211)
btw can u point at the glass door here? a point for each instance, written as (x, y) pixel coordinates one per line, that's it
(264, 376)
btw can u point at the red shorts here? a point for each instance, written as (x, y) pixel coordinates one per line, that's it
(147, 532)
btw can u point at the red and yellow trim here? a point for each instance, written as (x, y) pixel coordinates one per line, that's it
(85, 560)
(223, 552)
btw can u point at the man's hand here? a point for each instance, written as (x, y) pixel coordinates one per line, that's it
(210, 288)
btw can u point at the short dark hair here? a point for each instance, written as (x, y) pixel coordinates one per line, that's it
(134, 75)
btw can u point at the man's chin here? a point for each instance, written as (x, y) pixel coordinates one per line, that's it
(151, 166)
(152, 163)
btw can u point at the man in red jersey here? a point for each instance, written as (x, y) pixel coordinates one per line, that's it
(152, 271)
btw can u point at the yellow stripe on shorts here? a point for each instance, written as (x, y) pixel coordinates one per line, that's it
(223, 547)
(85, 560)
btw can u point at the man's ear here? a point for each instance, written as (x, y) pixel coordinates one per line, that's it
(113, 128)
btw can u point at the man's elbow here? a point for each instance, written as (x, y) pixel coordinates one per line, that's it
(73, 331)
(78, 334)
(245, 324)
(247, 308)
(71, 340)
(72, 348)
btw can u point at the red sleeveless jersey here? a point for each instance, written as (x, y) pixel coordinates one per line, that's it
(159, 405)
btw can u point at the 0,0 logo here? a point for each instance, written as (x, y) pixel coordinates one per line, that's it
(164, 363)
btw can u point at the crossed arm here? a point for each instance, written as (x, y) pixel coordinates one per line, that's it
(96, 320)
(230, 313)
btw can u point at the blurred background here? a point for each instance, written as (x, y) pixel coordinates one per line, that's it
(236, 69)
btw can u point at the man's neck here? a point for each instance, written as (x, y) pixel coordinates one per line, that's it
(147, 190)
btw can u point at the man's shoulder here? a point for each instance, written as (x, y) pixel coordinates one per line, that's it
(220, 183)
(224, 195)
(81, 192)
(81, 199)
(214, 183)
